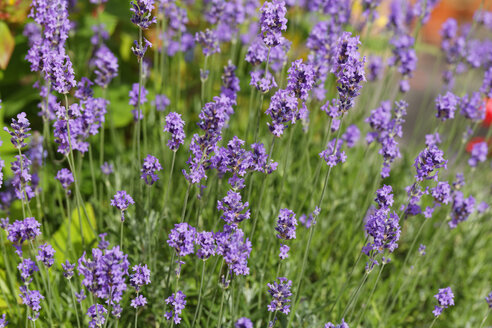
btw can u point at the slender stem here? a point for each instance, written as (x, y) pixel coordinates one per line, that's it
(74, 304)
(433, 322)
(166, 195)
(199, 296)
(203, 80)
(257, 211)
(183, 210)
(121, 235)
(136, 314)
(485, 318)
(370, 295)
(260, 106)
(222, 302)
(354, 297)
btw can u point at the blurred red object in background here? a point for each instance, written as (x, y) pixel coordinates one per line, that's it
(474, 141)
(487, 121)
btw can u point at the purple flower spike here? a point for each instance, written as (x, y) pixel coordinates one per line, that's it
(140, 276)
(235, 249)
(235, 211)
(150, 166)
(478, 154)
(121, 201)
(486, 88)
(286, 224)
(243, 323)
(446, 106)
(178, 302)
(488, 299)
(20, 129)
(105, 66)
(20, 231)
(342, 324)
(282, 110)
(209, 42)
(182, 238)
(445, 298)
(68, 269)
(97, 315)
(138, 301)
(27, 267)
(161, 102)
(427, 162)
(174, 125)
(142, 13)
(461, 209)
(206, 242)
(280, 291)
(273, 22)
(32, 299)
(4, 322)
(107, 168)
(284, 251)
(66, 179)
(46, 255)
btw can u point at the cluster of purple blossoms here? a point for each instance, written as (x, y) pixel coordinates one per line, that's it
(206, 242)
(446, 106)
(175, 126)
(348, 68)
(310, 220)
(46, 255)
(286, 229)
(22, 177)
(383, 226)
(176, 38)
(422, 249)
(387, 125)
(286, 224)
(4, 322)
(442, 194)
(97, 315)
(472, 107)
(209, 42)
(376, 67)
(178, 302)
(66, 179)
(68, 269)
(230, 82)
(107, 168)
(182, 238)
(26, 268)
(139, 50)
(161, 102)
(32, 299)
(478, 154)
(278, 55)
(234, 248)
(454, 47)
(427, 162)
(236, 160)
(283, 109)
(488, 299)
(105, 66)
(138, 97)
(20, 129)
(100, 34)
(213, 118)
(139, 278)
(235, 211)
(149, 168)
(243, 323)
(461, 208)
(257, 52)
(423, 9)
(445, 298)
(142, 13)
(47, 51)
(403, 55)
(273, 22)
(351, 136)
(262, 81)
(281, 293)
(333, 153)
(300, 79)
(105, 275)
(121, 201)
(20, 231)
(342, 324)
(486, 88)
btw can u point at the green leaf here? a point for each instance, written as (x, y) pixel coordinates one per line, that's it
(6, 45)
(60, 237)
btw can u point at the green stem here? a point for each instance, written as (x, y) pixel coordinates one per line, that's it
(74, 304)
(370, 295)
(199, 296)
(433, 322)
(485, 318)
